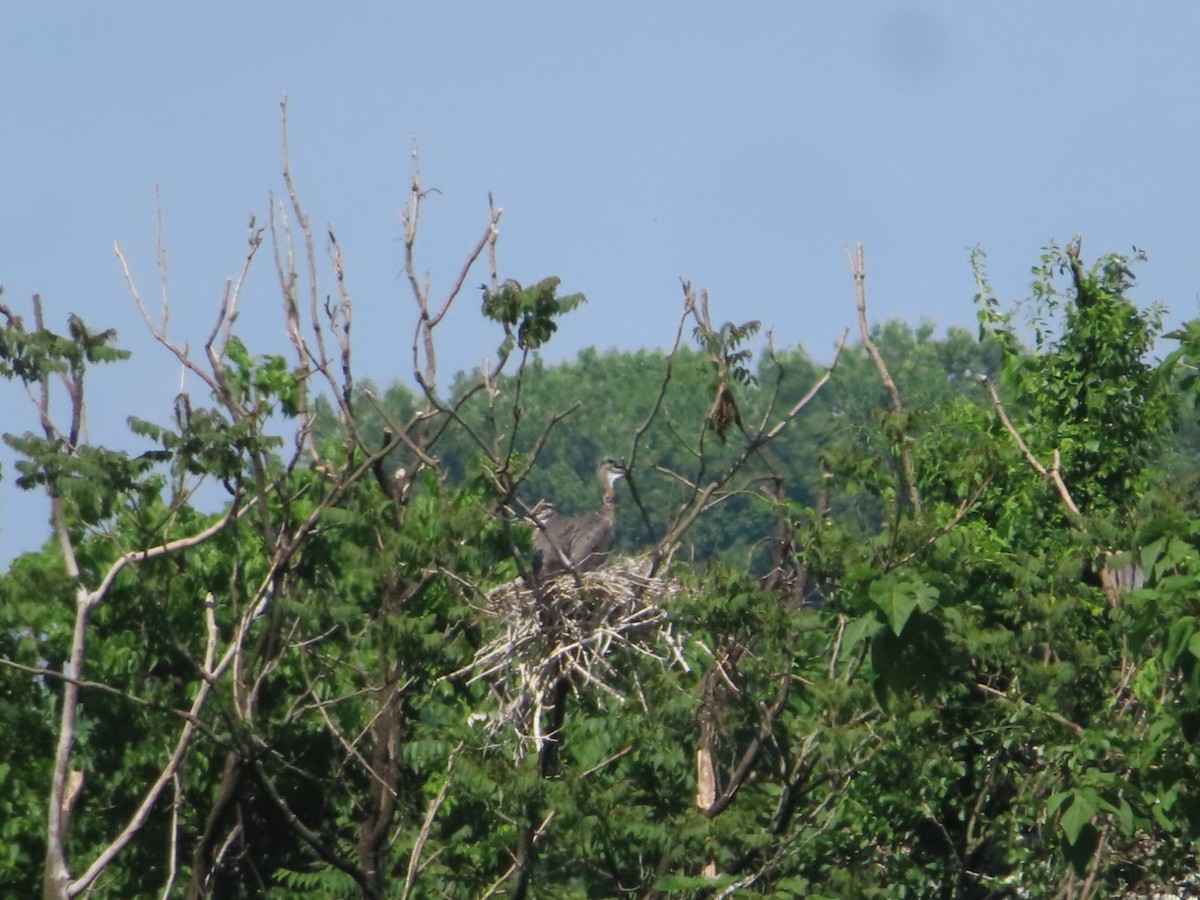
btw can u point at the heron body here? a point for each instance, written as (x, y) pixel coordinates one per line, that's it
(578, 543)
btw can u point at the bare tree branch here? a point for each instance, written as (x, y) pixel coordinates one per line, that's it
(1052, 474)
(858, 270)
(414, 861)
(165, 777)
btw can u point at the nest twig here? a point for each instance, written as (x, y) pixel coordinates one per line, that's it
(571, 629)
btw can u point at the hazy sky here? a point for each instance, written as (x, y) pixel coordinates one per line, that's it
(741, 146)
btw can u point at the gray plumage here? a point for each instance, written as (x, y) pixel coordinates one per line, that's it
(580, 543)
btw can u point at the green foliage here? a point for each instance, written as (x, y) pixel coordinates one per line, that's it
(255, 382)
(30, 355)
(1088, 384)
(726, 348)
(997, 696)
(529, 311)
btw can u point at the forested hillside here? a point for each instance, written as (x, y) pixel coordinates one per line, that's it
(917, 619)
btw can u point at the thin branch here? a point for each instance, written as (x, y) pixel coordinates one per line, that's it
(606, 762)
(166, 776)
(414, 861)
(705, 495)
(1052, 474)
(698, 503)
(1089, 883)
(159, 331)
(305, 228)
(312, 838)
(742, 771)
(812, 391)
(353, 751)
(427, 321)
(490, 233)
(339, 318)
(858, 270)
(837, 647)
(85, 684)
(538, 833)
(135, 556)
(959, 514)
(1022, 702)
(173, 849)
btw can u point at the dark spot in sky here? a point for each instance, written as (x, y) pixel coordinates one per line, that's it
(912, 46)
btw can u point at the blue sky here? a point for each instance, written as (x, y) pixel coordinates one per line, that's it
(741, 146)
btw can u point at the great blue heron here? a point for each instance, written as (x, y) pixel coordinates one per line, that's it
(577, 543)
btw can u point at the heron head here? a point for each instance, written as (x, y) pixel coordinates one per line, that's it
(611, 470)
(543, 512)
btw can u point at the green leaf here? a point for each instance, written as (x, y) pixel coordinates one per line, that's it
(1125, 816)
(1055, 802)
(1078, 814)
(1080, 852)
(899, 599)
(1194, 644)
(859, 630)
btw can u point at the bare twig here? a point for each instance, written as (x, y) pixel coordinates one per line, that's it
(710, 490)
(173, 849)
(310, 254)
(351, 750)
(1053, 473)
(963, 508)
(1022, 702)
(858, 270)
(234, 512)
(536, 836)
(1089, 883)
(812, 391)
(159, 330)
(414, 860)
(837, 647)
(88, 685)
(166, 776)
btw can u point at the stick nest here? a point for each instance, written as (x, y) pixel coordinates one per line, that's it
(573, 629)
